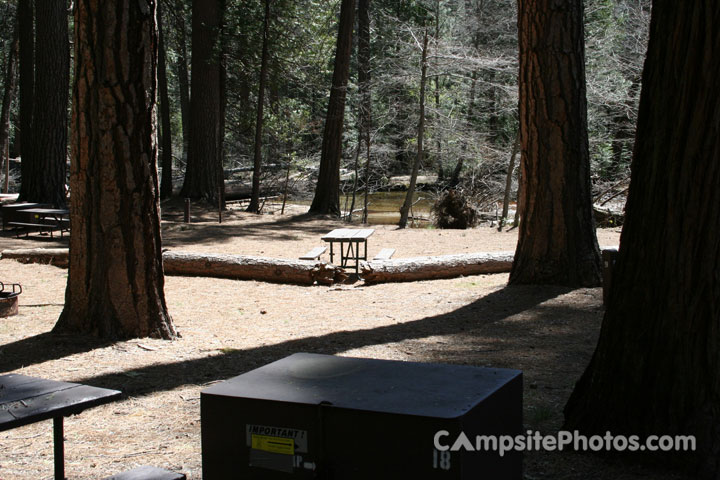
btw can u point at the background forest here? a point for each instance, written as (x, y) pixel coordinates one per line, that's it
(471, 94)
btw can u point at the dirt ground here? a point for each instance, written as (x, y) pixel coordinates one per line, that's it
(229, 327)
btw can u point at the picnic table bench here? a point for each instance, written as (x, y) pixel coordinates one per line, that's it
(384, 254)
(314, 254)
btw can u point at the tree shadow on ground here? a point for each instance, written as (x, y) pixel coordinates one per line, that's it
(10, 240)
(530, 328)
(45, 347)
(178, 234)
(489, 309)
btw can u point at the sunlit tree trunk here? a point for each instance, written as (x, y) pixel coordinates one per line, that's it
(364, 90)
(115, 280)
(327, 191)
(655, 369)
(254, 205)
(557, 242)
(203, 178)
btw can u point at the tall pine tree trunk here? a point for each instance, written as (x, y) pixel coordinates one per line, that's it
(203, 175)
(364, 90)
(327, 191)
(254, 205)
(26, 31)
(557, 242)
(655, 369)
(46, 183)
(8, 93)
(166, 187)
(115, 281)
(181, 70)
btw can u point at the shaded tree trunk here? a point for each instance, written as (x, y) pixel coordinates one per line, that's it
(166, 187)
(655, 367)
(204, 161)
(405, 209)
(26, 32)
(9, 92)
(327, 191)
(115, 281)
(254, 205)
(46, 183)
(181, 70)
(557, 242)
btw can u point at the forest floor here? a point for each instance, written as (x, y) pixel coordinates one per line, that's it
(230, 327)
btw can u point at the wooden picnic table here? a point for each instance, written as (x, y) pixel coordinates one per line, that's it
(25, 400)
(353, 238)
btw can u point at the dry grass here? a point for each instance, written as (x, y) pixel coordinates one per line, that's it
(229, 327)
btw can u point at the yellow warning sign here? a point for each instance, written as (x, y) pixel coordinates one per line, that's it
(285, 446)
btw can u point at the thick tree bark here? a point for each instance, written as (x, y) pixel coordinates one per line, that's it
(166, 186)
(115, 282)
(254, 205)
(405, 208)
(327, 191)
(246, 267)
(26, 32)
(557, 242)
(443, 266)
(9, 92)
(204, 161)
(655, 369)
(46, 183)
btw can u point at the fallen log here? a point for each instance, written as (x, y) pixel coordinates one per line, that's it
(443, 266)
(49, 256)
(243, 267)
(246, 267)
